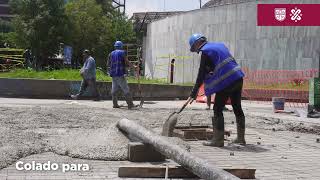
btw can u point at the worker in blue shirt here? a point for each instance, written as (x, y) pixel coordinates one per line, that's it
(117, 62)
(220, 74)
(88, 73)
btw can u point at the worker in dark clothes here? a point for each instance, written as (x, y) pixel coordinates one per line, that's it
(208, 102)
(28, 57)
(117, 62)
(220, 74)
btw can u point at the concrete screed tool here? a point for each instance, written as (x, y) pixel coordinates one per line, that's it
(139, 86)
(170, 123)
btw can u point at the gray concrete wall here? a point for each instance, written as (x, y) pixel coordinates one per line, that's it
(56, 89)
(59, 89)
(255, 47)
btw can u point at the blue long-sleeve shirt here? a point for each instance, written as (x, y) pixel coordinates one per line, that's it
(89, 68)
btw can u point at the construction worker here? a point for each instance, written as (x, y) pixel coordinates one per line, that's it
(27, 57)
(88, 73)
(221, 75)
(117, 62)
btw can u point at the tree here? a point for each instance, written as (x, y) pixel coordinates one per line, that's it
(7, 34)
(123, 28)
(83, 24)
(96, 30)
(41, 25)
(5, 26)
(107, 7)
(90, 28)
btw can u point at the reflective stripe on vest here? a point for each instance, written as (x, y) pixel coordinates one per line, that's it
(224, 62)
(225, 76)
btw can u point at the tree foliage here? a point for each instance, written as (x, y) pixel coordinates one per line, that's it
(7, 34)
(90, 28)
(82, 24)
(96, 30)
(41, 25)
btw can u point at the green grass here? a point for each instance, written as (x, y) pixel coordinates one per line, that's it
(69, 74)
(73, 75)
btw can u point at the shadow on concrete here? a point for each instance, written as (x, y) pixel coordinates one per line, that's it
(149, 102)
(248, 148)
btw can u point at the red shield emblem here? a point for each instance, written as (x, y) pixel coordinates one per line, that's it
(280, 14)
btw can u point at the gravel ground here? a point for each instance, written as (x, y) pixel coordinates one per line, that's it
(89, 132)
(72, 130)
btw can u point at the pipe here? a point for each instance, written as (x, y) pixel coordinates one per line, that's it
(194, 164)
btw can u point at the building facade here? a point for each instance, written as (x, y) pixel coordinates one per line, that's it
(5, 10)
(233, 22)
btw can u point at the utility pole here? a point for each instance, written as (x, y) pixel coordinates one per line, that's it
(200, 4)
(118, 4)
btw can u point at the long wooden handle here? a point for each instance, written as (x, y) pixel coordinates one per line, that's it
(184, 106)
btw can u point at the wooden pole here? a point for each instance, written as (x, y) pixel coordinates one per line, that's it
(194, 164)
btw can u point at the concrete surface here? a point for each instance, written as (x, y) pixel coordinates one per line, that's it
(235, 24)
(30, 129)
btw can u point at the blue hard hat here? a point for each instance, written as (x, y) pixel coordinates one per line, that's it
(194, 38)
(118, 44)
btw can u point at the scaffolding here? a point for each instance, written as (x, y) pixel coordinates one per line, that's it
(142, 19)
(134, 54)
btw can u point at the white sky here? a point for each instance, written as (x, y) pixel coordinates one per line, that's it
(161, 5)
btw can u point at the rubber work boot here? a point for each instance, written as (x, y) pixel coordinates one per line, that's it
(115, 102)
(218, 133)
(129, 101)
(240, 131)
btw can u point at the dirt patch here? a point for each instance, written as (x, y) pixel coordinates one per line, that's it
(302, 128)
(279, 124)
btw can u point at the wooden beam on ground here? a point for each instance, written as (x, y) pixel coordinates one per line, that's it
(194, 164)
(174, 172)
(154, 172)
(139, 152)
(195, 133)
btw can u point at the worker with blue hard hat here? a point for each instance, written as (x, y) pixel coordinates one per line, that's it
(117, 62)
(118, 45)
(222, 75)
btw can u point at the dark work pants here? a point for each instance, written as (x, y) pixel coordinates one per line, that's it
(209, 101)
(234, 93)
(89, 82)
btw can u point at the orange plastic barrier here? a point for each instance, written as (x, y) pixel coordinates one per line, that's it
(262, 85)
